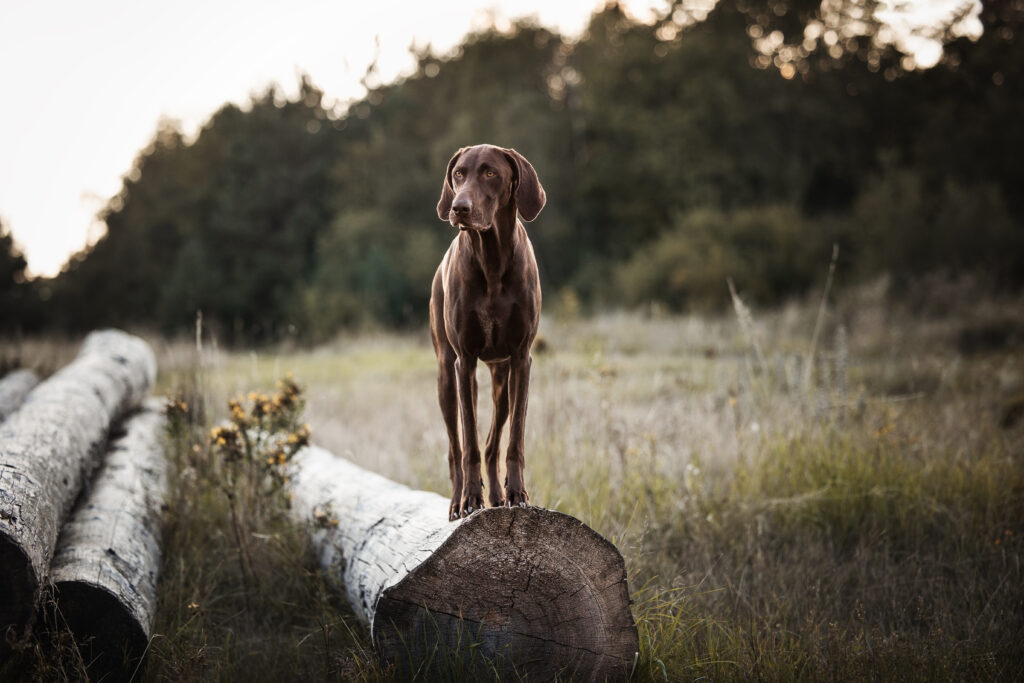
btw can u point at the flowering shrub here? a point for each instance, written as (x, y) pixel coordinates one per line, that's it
(262, 435)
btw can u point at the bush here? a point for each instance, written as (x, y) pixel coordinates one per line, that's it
(905, 225)
(769, 252)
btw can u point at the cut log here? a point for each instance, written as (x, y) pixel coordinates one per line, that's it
(48, 448)
(523, 591)
(104, 569)
(13, 389)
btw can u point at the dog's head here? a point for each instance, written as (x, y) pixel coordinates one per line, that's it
(483, 180)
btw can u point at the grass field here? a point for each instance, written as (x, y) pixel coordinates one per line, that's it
(852, 512)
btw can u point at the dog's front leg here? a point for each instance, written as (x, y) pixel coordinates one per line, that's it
(515, 460)
(448, 398)
(499, 395)
(472, 485)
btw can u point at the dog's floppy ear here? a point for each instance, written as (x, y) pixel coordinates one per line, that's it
(444, 205)
(529, 194)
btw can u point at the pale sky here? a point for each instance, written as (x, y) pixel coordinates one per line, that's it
(84, 84)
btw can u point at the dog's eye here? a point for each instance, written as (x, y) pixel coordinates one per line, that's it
(458, 174)
(490, 174)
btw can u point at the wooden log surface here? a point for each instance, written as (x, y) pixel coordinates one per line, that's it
(105, 566)
(523, 591)
(13, 388)
(48, 449)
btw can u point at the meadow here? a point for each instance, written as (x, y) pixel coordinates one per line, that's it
(799, 494)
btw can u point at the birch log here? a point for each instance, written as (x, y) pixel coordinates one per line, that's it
(13, 389)
(523, 591)
(104, 569)
(48, 448)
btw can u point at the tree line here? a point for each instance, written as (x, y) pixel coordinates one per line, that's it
(740, 142)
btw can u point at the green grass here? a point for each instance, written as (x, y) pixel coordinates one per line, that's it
(867, 524)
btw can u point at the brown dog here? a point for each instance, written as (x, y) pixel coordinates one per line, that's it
(485, 304)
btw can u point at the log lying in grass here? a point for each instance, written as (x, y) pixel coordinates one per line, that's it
(13, 388)
(105, 566)
(48, 448)
(522, 591)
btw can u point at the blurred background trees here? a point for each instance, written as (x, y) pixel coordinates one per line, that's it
(739, 139)
(18, 303)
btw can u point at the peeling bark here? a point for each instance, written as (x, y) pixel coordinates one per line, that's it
(48, 448)
(523, 591)
(104, 569)
(13, 389)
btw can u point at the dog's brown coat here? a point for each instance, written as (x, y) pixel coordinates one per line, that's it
(485, 305)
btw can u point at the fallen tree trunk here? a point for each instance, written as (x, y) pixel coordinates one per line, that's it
(105, 567)
(48, 448)
(523, 591)
(13, 389)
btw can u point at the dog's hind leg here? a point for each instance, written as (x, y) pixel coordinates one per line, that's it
(499, 394)
(515, 460)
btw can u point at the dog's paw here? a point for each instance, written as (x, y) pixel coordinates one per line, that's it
(471, 504)
(517, 498)
(495, 499)
(455, 507)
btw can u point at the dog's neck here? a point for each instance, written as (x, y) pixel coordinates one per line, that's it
(494, 249)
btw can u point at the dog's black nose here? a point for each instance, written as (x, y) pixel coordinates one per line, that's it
(461, 206)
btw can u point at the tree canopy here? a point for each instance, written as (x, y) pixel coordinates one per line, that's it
(738, 141)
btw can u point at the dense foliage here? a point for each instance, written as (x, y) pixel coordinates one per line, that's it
(13, 291)
(741, 142)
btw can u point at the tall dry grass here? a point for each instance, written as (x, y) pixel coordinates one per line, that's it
(849, 508)
(848, 515)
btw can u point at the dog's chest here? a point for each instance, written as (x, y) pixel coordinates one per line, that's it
(492, 314)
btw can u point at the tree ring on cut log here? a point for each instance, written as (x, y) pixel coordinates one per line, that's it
(17, 587)
(524, 585)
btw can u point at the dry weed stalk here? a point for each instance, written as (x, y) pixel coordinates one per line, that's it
(809, 370)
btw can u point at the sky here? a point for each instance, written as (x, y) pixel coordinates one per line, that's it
(85, 84)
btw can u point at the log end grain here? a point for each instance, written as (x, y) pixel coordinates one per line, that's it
(106, 632)
(18, 585)
(527, 591)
